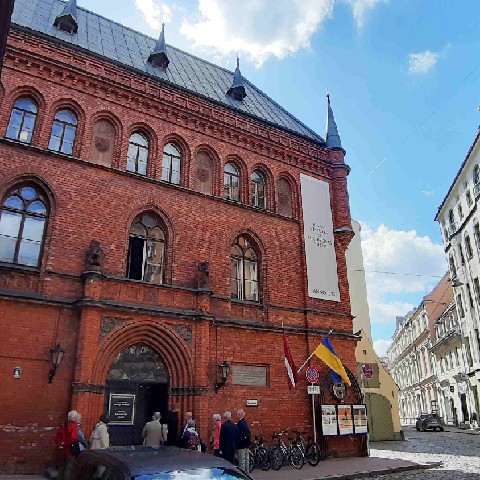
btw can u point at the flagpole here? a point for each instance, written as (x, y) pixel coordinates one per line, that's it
(308, 359)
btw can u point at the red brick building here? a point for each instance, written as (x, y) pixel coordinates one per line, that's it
(151, 225)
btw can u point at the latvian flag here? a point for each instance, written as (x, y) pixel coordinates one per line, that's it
(289, 365)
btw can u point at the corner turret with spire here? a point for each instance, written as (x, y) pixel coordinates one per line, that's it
(332, 137)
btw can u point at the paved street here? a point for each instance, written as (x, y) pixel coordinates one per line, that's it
(459, 452)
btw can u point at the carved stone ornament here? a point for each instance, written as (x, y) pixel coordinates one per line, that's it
(185, 331)
(95, 257)
(339, 391)
(107, 324)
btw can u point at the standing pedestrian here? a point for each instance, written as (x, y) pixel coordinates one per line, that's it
(228, 438)
(243, 441)
(215, 438)
(190, 438)
(100, 437)
(152, 432)
(188, 417)
(172, 422)
(82, 442)
(66, 440)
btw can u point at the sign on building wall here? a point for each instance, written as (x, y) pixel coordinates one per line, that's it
(318, 237)
(122, 408)
(249, 375)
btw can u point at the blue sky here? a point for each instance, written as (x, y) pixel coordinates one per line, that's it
(404, 78)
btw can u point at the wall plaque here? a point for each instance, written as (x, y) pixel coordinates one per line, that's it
(249, 375)
(122, 408)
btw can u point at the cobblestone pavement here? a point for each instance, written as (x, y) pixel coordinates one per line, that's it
(459, 452)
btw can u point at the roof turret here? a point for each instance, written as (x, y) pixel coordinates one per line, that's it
(237, 90)
(159, 58)
(67, 20)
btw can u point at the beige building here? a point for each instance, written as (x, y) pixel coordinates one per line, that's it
(381, 392)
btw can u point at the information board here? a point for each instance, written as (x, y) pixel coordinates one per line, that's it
(249, 375)
(122, 408)
(329, 420)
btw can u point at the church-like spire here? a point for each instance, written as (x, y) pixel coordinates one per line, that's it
(159, 58)
(67, 20)
(237, 90)
(332, 137)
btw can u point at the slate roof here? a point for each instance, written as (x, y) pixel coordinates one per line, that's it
(116, 42)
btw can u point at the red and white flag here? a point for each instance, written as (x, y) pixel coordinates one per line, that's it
(289, 365)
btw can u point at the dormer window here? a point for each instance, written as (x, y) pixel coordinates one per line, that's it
(67, 20)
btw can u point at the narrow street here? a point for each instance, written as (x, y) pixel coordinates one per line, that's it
(459, 452)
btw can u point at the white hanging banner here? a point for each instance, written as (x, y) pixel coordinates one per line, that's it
(318, 237)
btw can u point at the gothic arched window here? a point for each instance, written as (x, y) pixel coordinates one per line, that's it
(22, 120)
(259, 190)
(244, 270)
(285, 201)
(137, 154)
(231, 180)
(171, 164)
(146, 250)
(64, 130)
(23, 217)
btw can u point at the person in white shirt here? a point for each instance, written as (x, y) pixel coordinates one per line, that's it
(100, 437)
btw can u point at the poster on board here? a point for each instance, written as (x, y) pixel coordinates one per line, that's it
(329, 420)
(121, 408)
(360, 419)
(345, 420)
(318, 237)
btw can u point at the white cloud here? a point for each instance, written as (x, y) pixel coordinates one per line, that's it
(398, 252)
(360, 8)
(261, 30)
(380, 346)
(422, 62)
(155, 13)
(428, 193)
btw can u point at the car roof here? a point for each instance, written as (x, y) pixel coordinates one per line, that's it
(141, 460)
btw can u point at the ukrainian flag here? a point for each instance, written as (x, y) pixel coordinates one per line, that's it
(326, 353)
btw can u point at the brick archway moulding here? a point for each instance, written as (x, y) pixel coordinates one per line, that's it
(171, 348)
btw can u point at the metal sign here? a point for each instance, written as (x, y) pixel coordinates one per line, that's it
(312, 374)
(17, 372)
(122, 408)
(367, 370)
(313, 389)
(252, 403)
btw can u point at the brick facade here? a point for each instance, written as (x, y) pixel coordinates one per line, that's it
(92, 197)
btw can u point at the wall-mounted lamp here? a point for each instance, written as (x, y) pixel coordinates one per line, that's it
(223, 370)
(56, 356)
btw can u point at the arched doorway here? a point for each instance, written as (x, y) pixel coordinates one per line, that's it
(137, 386)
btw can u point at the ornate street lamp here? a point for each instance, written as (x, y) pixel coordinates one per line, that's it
(56, 356)
(223, 370)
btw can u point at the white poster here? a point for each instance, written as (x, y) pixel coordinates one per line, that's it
(345, 420)
(329, 420)
(318, 237)
(360, 418)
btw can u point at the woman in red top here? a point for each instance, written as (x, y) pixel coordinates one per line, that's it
(66, 441)
(217, 425)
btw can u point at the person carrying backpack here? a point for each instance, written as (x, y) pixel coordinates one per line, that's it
(66, 441)
(190, 439)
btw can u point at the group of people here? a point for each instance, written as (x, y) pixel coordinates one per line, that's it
(228, 439)
(70, 441)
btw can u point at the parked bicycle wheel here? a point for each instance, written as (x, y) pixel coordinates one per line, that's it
(296, 457)
(313, 454)
(251, 461)
(261, 459)
(276, 458)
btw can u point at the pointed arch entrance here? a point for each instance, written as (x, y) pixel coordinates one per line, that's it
(140, 364)
(137, 386)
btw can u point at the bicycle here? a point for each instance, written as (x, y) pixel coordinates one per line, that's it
(281, 454)
(258, 455)
(310, 449)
